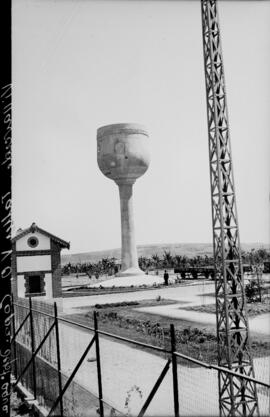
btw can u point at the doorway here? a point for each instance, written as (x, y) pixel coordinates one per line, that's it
(35, 284)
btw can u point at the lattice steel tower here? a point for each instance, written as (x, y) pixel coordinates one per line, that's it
(236, 396)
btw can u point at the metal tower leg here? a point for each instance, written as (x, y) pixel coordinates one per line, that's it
(236, 396)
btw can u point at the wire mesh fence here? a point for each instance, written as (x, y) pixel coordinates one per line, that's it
(199, 381)
(78, 370)
(262, 368)
(198, 390)
(38, 373)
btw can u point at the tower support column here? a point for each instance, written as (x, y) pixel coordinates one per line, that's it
(129, 251)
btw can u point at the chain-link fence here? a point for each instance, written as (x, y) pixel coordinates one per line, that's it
(74, 369)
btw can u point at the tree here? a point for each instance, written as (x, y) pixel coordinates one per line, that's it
(252, 290)
(178, 261)
(156, 261)
(89, 270)
(257, 271)
(167, 260)
(143, 262)
(257, 258)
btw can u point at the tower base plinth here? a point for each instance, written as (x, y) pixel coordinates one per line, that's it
(131, 272)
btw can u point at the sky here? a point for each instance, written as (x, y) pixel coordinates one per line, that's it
(82, 64)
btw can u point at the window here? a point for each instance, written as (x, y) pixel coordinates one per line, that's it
(32, 241)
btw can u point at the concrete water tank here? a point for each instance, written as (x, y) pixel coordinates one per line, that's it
(123, 155)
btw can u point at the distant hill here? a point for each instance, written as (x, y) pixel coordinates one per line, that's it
(188, 249)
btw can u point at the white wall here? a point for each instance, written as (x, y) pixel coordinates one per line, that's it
(48, 285)
(44, 242)
(47, 289)
(34, 263)
(21, 286)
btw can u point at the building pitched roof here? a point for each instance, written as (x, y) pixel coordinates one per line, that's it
(34, 228)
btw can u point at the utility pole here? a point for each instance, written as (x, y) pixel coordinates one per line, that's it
(237, 397)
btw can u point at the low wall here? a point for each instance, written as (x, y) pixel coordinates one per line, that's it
(77, 401)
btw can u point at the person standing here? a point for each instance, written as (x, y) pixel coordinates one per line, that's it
(166, 277)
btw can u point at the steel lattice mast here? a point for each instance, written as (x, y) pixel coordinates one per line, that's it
(236, 396)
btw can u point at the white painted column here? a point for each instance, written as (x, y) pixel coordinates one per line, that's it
(21, 286)
(129, 251)
(48, 285)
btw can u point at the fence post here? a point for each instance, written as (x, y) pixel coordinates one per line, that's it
(174, 372)
(58, 358)
(100, 395)
(32, 332)
(14, 342)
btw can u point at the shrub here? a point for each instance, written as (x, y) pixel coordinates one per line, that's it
(119, 304)
(112, 315)
(252, 290)
(202, 339)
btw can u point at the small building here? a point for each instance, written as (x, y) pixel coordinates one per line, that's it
(36, 263)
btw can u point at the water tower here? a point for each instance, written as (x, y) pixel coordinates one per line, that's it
(123, 156)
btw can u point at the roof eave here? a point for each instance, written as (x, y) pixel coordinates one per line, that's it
(35, 228)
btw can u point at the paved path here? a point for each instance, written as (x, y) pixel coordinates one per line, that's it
(188, 295)
(259, 324)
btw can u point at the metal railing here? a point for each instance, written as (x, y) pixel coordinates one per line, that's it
(33, 328)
